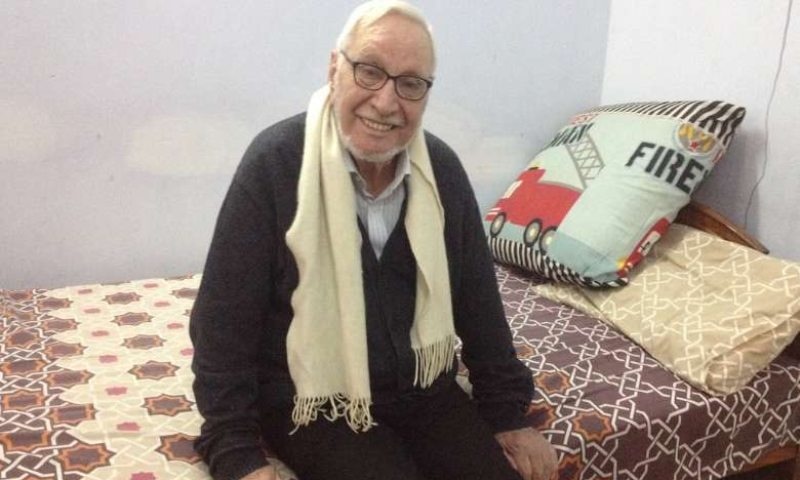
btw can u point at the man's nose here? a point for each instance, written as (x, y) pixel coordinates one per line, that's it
(385, 99)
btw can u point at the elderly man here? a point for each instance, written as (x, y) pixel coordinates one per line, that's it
(347, 257)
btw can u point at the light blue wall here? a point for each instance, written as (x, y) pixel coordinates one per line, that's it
(121, 122)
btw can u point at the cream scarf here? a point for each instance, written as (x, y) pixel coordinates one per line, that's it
(327, 340)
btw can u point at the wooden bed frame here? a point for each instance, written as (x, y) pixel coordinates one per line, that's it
(702, 217)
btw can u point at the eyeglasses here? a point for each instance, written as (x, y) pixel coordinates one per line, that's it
(372, 77)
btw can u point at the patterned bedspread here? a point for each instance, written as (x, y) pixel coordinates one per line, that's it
(95, 383)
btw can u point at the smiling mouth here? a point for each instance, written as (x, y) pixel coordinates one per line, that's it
(377, 126)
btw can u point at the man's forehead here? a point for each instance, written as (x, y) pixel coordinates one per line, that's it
(393, 31)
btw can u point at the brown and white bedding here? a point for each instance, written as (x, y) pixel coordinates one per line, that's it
(95, 383)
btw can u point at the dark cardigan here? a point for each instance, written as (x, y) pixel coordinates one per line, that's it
(243, 311)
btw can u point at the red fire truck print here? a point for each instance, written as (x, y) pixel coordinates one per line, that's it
(538, 202)
(554, 201)
(644, 245)
(553, 198)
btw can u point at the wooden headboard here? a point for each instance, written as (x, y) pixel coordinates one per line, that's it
(702, 217)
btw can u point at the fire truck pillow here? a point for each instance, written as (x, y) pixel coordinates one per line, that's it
(590, 205)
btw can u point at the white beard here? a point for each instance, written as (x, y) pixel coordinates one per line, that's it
(374, 157)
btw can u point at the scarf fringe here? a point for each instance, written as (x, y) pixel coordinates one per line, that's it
(355, 411)
(434, 359)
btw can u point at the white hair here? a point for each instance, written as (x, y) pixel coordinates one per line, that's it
(373, 10)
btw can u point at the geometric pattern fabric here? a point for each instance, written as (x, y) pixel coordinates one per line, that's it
(613, 412)
(712, 311)
(95, 383)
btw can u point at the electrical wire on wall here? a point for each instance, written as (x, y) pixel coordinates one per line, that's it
(769, 110)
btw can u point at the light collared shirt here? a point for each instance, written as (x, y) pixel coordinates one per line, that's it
(379, 214)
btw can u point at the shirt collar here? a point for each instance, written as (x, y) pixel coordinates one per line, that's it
(402, 170)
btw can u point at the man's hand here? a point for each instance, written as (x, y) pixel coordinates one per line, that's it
(529, 453)
(263, 473)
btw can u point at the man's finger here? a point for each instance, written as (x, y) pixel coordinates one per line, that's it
(525, 466)
(510, 460)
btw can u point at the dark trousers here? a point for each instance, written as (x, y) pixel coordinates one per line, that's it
(438, 438)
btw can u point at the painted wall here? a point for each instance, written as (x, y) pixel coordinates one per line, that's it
(730, 50)
(121, 123)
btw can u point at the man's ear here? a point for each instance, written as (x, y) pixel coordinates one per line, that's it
(332, 66)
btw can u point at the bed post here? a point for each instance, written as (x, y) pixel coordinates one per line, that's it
(796, 474)
(705, 218)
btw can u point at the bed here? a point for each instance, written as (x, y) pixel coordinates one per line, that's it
(95, 383)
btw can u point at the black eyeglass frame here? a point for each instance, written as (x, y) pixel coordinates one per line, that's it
(355, 65)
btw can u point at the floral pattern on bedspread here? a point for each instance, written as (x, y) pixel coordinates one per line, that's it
(95, 383)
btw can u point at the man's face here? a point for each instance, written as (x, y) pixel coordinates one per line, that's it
(375, 125)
